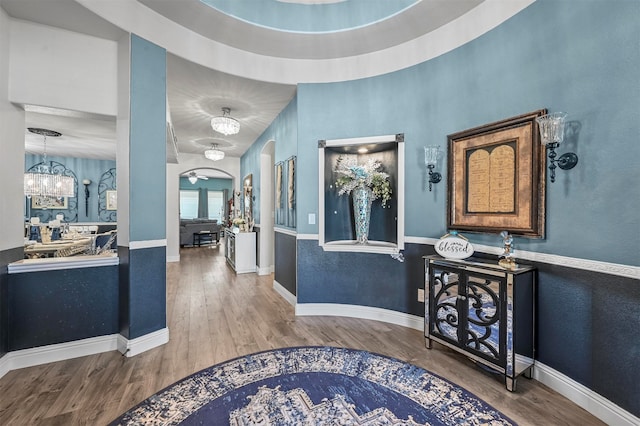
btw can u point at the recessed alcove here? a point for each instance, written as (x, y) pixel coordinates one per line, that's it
(335, 219)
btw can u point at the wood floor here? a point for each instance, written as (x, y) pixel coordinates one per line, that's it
(213, 316)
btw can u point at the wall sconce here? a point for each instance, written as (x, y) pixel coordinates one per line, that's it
(431, 154)
(86, 183)
(551, 135)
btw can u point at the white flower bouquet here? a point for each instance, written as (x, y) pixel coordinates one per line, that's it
(352, 175)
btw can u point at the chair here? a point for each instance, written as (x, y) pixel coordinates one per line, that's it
(34, 229)
(105, 242)
(54, 225)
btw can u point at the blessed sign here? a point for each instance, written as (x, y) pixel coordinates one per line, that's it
(453, 246)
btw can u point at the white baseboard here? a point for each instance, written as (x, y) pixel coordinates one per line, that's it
(364, 312)
(171, 259)
(141, 344)
(284, 293)
(263, 271)
(579, 394)
(52, 353)
(584, 397)
(24, 358)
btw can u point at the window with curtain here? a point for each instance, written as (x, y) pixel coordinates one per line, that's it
(215, 201)
(188, 204)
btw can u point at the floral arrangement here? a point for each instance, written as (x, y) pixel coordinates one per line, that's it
(352, 175)
(237, 221)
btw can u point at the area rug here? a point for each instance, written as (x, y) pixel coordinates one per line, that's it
(313, 386)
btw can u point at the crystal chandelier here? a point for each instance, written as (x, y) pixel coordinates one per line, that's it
(225, 124)
(214, 154)
(42, 181)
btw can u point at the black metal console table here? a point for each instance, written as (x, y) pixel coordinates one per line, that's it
(480, 309)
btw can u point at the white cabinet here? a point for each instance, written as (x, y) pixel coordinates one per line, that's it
(241, 251)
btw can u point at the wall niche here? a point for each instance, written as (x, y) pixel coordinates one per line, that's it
(336, 222)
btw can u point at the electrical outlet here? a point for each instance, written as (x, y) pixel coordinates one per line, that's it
(421, 295)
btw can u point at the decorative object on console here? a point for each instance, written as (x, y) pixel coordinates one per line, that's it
(507, 259)
(454, 246)
(431, 154)
(87, 194)
(225, 124)
(366, 183)
(42, 180)
(551, 135)
(214, 154)
(496, 178)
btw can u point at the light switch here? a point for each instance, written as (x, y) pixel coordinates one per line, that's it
(312, 218)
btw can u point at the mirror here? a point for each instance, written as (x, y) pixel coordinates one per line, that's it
(247, 203)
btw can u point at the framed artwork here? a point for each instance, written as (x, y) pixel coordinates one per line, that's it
(111, 200)
(279, 205)
(51, 203)
(496, 178)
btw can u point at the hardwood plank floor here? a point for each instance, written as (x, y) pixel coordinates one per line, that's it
(214, 315)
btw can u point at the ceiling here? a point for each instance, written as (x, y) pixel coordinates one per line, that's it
(197, 93)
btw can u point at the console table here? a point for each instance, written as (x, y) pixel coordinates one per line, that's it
(241, 251)
(484, 311)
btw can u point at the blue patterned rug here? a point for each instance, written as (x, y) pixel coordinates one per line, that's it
(313, 386)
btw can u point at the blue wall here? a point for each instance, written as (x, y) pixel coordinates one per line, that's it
(284, 131)
(556, 55)
(84, 168)
(59, 306)
(577, 57)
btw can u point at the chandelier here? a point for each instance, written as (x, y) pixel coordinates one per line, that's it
(214, 154)
(225, 124)
(42, 181)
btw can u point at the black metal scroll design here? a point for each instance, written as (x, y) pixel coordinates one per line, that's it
(71, 212)
(107, 183)
(446, 318)
(483, 318)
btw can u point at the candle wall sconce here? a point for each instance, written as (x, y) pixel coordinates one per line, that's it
(431, 154)
(551, 135)
(87, 194)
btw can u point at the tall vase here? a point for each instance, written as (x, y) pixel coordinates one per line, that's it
(362, 198)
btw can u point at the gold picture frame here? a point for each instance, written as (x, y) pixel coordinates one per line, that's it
(496, 178)
(111, 200)
(49, 203)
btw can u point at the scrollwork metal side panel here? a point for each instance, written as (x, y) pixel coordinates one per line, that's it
(484, 317)
(445, 319)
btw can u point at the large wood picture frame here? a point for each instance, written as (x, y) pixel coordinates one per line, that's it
(496, 178)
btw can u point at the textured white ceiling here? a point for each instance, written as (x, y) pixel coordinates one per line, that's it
(196, 92)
